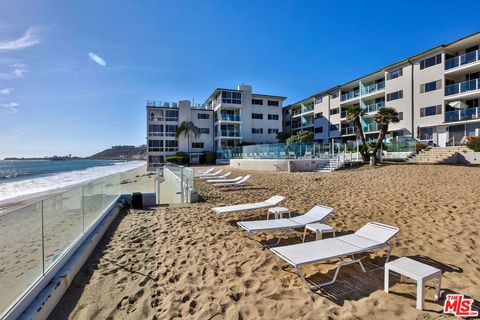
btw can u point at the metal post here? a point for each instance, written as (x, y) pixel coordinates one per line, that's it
(181, 186)
(43, 244)
(358, 150)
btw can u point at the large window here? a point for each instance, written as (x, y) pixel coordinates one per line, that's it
(431, 86)
(318, 100)
(426, 133)
(430, 62)
(319, 115)
(257, 130)
(155, 145)
(334, 111)
(318, 129)
(197, 145)
(170, 130)
(272, 131)
(430, 111)
(203, 116)
(273, 103)
(171, 115)
(258, 102)
(394, 74)
(335, 94)
(205, 130)
(333, 127)
(171, 145)
(155, 129)
(395, 95)
(273, 117)
(231, 97)
(257, 115)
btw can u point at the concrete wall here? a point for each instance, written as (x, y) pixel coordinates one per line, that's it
(296, 165)
(401, 105)
(468, 158)
(324, 108)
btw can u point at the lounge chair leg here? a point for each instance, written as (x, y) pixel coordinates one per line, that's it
(389, 252)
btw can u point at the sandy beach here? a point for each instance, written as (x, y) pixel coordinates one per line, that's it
(173, 262)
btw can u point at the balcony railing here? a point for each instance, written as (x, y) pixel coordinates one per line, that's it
(229, 117)
(169, 119)
(461, 87)
(372, 127)
(374, 87)
(348, 130)
(462, 60)
(230, 133)
(350, 95)
(307, 108)
(373, 107)
(462, 114)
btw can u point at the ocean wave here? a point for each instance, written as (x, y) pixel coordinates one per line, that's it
(21, 189)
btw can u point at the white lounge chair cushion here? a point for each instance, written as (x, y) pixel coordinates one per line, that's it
(273, 201)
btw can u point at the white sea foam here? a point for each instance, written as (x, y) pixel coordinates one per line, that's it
(22, 189)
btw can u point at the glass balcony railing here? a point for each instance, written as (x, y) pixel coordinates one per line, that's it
(462, 114)
(374, 87)
(372, 127)
(350, 95)
(462, 60)
(373, 107)
(461, 87)
(229, 117)
(307, 108)
(348, 130)
(296, 112)
(230, 133)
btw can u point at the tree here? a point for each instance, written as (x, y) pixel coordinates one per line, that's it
(283, 136)
(301, 136)
(355, 113)
(384, 117)
(188, 127)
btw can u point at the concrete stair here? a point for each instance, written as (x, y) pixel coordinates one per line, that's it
(329, 165)
(438, 155)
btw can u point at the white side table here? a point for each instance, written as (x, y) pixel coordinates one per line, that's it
(319, 229)
(417, 271)
(278, 212)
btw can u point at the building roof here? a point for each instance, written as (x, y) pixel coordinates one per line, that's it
(255, 94)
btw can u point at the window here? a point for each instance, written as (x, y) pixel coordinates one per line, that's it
(286, 111)
(258, 102)
(257, 115)
(430, 86)
(335, 94)
(318, 129)
(197, 145)
(171, 145)
(170, 130)
(395, 95)
(334, 111)
(429, 62)
(318, 100)
(155, 145)
(205, 130)
(319, 115)
(273, 117)
(430, 111)
(395, 74)
(155, 159)
(231, 97)
(272, 131)
(333, 127)
(426, 133)
(400, 116)
(171, 115)
(203, 116)
(273, 103)
(257, 130)
(155, 128)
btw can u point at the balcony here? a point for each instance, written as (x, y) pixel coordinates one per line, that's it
(462, 87)
(229, 117)
(462, 114)
(230, 133)
(296, 112)
(373, 107)
(350, 95)
(371, 127)
(373, 88)
(348, 131)
(463, 60)
(162, 119)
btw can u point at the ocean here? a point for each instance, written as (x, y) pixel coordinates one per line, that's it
(21, 179)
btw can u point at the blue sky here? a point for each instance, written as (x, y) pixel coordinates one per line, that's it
(55, 99)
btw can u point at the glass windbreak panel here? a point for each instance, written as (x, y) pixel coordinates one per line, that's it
(110, 189)
(170, 186)
(20, 253)
(92, 201)
(62, 223)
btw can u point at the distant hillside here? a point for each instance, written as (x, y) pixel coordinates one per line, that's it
(122, 153)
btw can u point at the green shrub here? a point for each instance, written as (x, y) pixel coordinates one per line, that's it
(419, 147)
(177, 160)
(474, 143)
(301, 136)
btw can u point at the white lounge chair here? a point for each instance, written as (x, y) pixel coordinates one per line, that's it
(222, 177)
(210, 175)
(204, 171)
(271, 202)
(316, 214)
(241, 182)
(225, 180)
(368, 238)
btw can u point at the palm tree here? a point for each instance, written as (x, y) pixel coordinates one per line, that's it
(187, 127)
(384, 117)
(354, 113)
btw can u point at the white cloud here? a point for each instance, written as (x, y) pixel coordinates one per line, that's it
(6, 91)
(97, 59)
(8, 108)
(29, 38)
(18, 70)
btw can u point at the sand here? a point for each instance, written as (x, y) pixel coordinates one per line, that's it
(184, 262)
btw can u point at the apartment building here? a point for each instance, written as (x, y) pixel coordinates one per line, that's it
(227, 118)
(163, 119)
(241, 116)
(436, 93)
